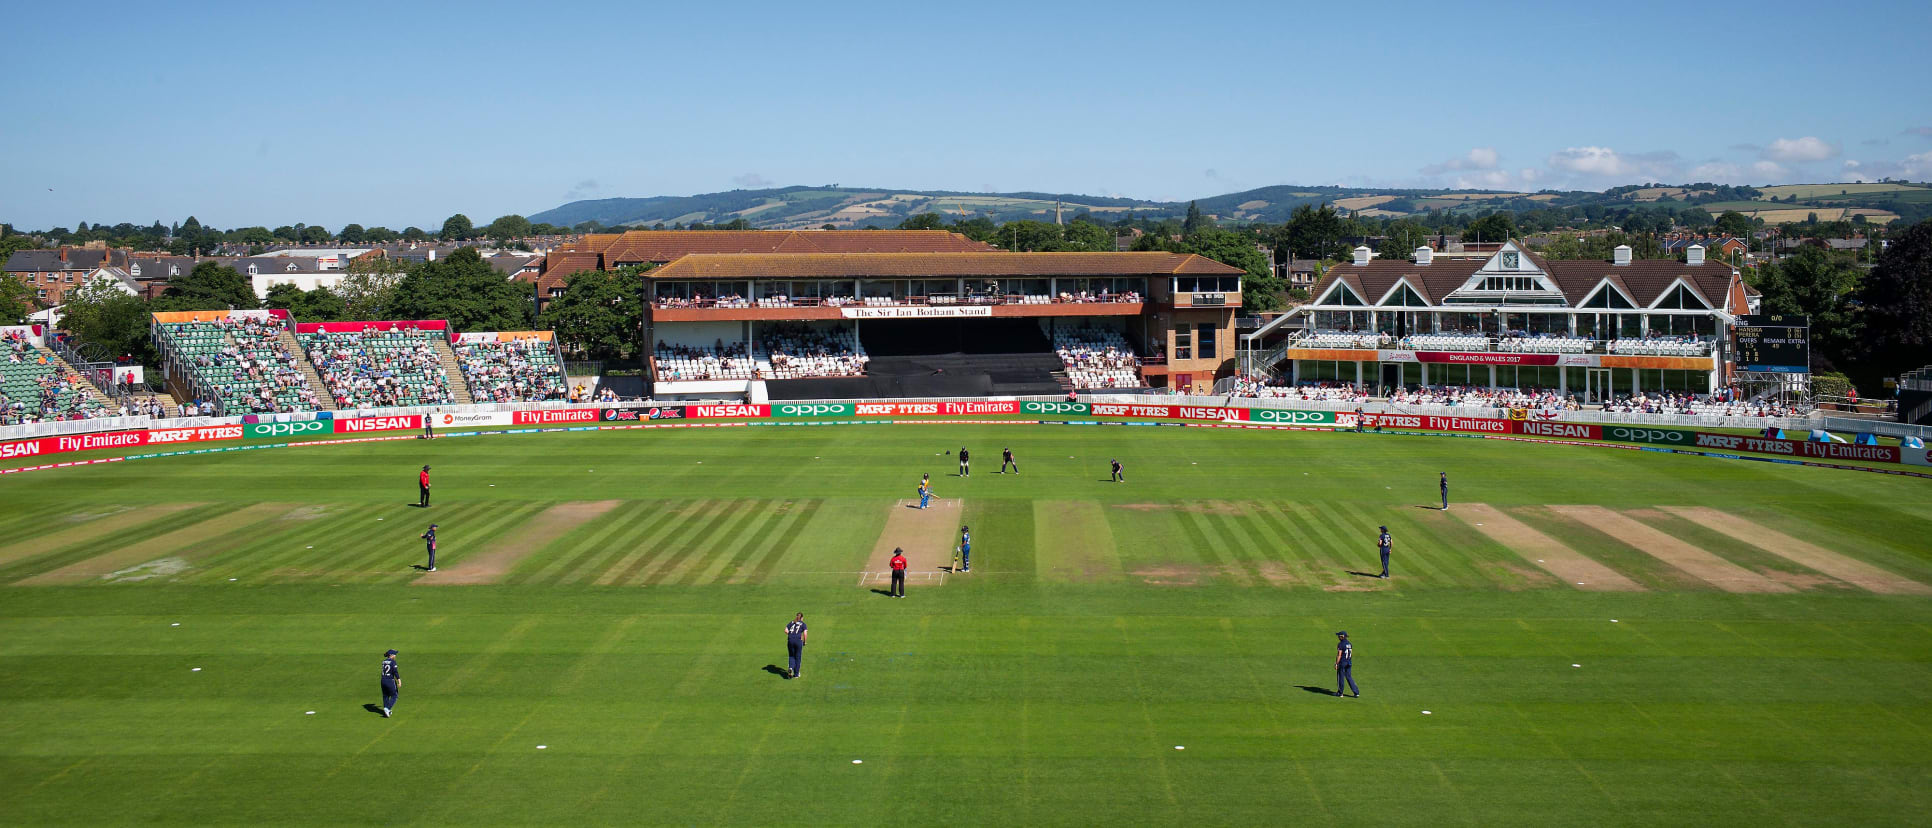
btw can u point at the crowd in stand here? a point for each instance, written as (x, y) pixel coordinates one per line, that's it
(1662, 345)
(36, 390)
(521, 370)
(1472, 396)
(795, 351)
(1097, 358)
(244, 360)
(697, 362)
(376, 368)
(1727, 402)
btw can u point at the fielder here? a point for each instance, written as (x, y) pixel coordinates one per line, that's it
(1384, 542)
(795, 645)
(1345, 665)
(1118, 477)
(391, 682)
(1445, 491)
(965, 467)
(1006, 459)
(429, 538)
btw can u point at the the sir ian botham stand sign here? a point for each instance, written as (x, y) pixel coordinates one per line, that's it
(916, 312)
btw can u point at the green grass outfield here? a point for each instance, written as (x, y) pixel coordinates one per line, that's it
(623, 594)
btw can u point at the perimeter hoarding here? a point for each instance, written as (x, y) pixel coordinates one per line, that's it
(1425, 422)
(1171, 412)
(299, 428)
(360, 425)
(727, 412)
(1652, 435)
(788, 410)
(935, 409)
(66, 443)
(1031, 407)
(1571, 431)
(1285, 416)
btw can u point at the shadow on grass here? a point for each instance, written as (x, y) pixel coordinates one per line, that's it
(373, 708)
(886, 592)
(1322, 691)
(777, 671)
(1375, 575)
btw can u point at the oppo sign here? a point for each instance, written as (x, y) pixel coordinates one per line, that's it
(1055, 408)
(256, 431)
(811, 409)
(1638, 434)
(1276, 415)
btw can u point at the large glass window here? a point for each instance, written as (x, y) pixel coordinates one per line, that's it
(1207, 344)
(1183, 345)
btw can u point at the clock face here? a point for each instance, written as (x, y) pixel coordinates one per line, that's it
(1509, 260)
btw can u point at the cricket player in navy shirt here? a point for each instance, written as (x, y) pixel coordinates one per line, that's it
(1118, 477)
(965, 470)
(795, 644)
(1006, 459)
(1344, 665)
(1384, 542)
(1445, 491)
(391, 682)
(429, 538)
(965, 549)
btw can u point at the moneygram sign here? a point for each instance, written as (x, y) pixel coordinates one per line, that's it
(1650, 434)
(1055, 408)
(303, 428)
(812, 410)
(1280, 417)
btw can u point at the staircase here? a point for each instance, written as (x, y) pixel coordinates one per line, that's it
(324, 400)
(459, 387)
(67, 369)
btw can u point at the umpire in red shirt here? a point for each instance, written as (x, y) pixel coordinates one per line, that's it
(898, 573)
(422, 480)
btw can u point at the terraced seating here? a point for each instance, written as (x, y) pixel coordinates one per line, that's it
(698, 362)
(379, 368)
(240, 363)
(34, 389)
(1097, 358)
(519, 370)
(797, 351)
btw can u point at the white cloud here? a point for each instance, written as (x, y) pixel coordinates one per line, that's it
(1590, 161)
(1917, 166)
(1718, 172)
(1769, 171)
(751, 181)
(1799, 150)
(1480, 158)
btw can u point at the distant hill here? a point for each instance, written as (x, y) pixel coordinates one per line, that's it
(792, 208)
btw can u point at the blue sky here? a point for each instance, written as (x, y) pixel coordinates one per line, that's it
(403, 113)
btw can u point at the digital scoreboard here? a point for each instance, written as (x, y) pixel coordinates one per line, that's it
(1773, 343)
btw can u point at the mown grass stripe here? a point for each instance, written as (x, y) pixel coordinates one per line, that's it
(585, 542)
(471, 539)
(1295, 545)
(1245, 545)
(757, 516)
(670, 539)
(785, 542)
(1329, 551)
(256, 556)
(1419, 552)
(381, 565)
(356, 542)
(644, 542)
(733, 569)
(770, 518)
(1609, 551)
(80, 551)
(703, 546)
(1219, 530)
(632, 538)
(1205, 549)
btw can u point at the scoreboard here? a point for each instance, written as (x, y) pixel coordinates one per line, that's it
(1774, 343)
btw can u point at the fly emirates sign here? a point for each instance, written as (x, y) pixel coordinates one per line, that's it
(117, 439)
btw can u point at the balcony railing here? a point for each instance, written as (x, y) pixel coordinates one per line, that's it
(1484, 343)
(735, 302)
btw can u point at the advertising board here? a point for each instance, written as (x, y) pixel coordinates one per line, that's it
(727, 412)
(556, 416)
(1031, 407)
(117, 439)
(811, 409)
(1284, 416)
(1571, 431)
(299, 428)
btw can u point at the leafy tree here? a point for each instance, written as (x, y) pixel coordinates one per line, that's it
(599, 311)
(1029, 235)
(414, 234)
(101, 313)
(1897, 300)
(465, 290)
(318, 305)
(1196, 220)
(1403, 239)
(1261, 289)
(16, 299)
(351, 234)
(1312, 233)
(1495, 227)
(506, 227)
(315, 235)
(457, 228)
(379, 234)
(924, 221)
(1734, 223)
(826, 226)
(210, 286)
(1816, 283)
(1086, 236)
